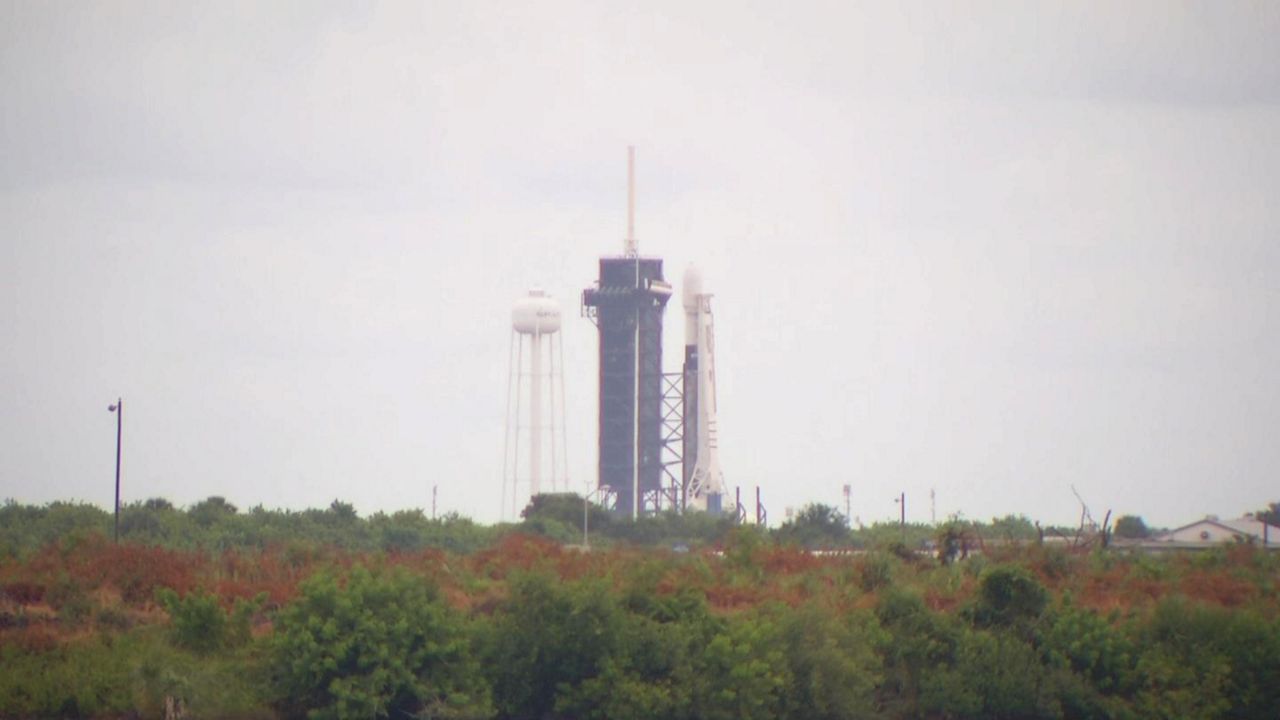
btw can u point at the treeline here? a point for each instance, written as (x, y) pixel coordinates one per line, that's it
(528, 628)
(215, 525)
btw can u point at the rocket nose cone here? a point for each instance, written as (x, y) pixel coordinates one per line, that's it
(692, 287)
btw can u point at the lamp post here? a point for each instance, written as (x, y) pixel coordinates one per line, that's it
(848, 506)
(118, 409)
(901, 500)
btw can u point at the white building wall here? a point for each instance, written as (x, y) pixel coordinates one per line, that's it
(1205, 531)
(1217, 531)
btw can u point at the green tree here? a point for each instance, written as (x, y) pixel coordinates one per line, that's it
(1207, 662)
(886, 534)
(833, 665)
(566, 508)
(1009, 595)
(994, 675)
(546, 639)
(199, 624)
(1270, 514)
(662, 641)
(745, 672)
(1011, 528)
(24, 528)
(743, 548)
(381, 645)
(405, 530)
(211, 511)
(1091, 646)
(954, 539)
(670, 528)
(155, 522)
(1131, 527)
(343, 512)
(816, 526)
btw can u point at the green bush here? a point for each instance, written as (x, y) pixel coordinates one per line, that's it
(198, 622)
(833, 662)
(1092, 647)
(875, 571)
(1207, 662)
(919, 641)
(80, 679)
(1009, 595)
(378, 645)
(221, 685)
(547, 638)
(995, 675)
(746, 673)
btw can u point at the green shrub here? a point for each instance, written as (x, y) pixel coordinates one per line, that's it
(72, 601)
(81, 679)
(1203, 661)
(548, 638)
(875, 571)
(994, 675)
(221, 685)
(1009, 595)
(746, 673)
(1092, 647)
(919, 642)
(833, 663)
(380, 645)
(199, 623)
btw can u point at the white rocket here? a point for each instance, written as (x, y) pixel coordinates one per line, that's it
(706, 481)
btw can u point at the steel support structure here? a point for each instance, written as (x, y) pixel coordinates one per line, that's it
(674, 487)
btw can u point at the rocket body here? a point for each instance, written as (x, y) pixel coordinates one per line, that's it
(705, 482)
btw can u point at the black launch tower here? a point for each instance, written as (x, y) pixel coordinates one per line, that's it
(627, 305)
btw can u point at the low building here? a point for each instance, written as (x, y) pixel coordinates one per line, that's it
(1212, 531)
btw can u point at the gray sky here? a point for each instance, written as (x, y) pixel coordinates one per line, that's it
(994, 249)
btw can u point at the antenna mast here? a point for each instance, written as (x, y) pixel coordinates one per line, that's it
(630, 248)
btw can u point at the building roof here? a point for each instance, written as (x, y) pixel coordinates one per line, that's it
(1247, 526)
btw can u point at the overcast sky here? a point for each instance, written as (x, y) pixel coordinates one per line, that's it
(991, 249)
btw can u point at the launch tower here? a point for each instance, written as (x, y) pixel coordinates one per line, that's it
(627, 305)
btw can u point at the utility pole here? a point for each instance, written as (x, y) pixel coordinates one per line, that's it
(434, 488)
(848, 506)
(901, 500)
(118, 409)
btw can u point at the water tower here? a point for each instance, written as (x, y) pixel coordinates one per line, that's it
(534, 445)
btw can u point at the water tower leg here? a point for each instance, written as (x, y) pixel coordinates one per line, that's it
(535, 414)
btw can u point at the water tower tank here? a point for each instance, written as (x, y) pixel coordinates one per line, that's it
(536, 313)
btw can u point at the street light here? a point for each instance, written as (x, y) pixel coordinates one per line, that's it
(118, 409)
(901, 501)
